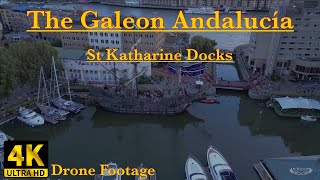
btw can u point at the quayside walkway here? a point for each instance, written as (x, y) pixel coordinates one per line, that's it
(234, 85)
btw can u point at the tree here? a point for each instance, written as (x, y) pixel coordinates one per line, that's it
(87, 47)
(8, 79)
(102, 49)
(30, 57)
(202, 44)
(56, 43)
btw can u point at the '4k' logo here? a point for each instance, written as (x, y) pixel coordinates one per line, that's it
(16, 155)
(26, 159)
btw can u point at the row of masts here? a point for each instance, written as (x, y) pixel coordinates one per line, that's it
(51, 104)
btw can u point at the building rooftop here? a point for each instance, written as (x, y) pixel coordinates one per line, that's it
(294, 168)
(23, 7)
(74, 54)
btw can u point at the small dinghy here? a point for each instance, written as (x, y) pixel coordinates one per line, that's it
(194, 170)
(218, 166)
(309, 118)
(209, 101)
(138, 177)
(111, 177)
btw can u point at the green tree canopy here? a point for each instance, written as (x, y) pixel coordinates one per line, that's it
(30, 57)
(8, 79)
(20, 64)
(202, 44)
(87, 47)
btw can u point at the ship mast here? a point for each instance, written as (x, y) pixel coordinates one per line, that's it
(42, 79)
(55, 81)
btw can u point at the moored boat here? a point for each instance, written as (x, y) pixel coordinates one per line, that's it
(66, 105)
(218, 166)
(194, 169)
(3, 138)
(209, 101)
(107, 176)
(308, 118)
(138, 177)
(30, 117)
(51, 112)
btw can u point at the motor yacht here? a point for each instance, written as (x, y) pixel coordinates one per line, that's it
(30, 117)
(109, 177)
(218, 166)
(3, 138)
(194, 169)
(138, 177)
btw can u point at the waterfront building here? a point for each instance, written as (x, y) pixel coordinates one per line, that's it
(16, 37)
(75, 40)
(14, 16)
(242, 4)
(289, 54)
(113, 1)
(76, 68)
(51, 37)
(99, 40)
(144, 42)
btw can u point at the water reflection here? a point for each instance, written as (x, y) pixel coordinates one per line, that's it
(102, 119)
(299, 136)
(245, 131)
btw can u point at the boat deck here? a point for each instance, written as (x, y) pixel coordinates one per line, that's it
(260, 171)
(50, 120)
(8, 136)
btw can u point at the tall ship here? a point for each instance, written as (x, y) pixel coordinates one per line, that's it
(174, 99)
(201, 10)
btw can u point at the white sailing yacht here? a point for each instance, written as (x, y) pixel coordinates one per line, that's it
(45, 106)
(67, 105)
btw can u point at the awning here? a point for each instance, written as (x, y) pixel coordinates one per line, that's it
(298, 103)
(294, 168)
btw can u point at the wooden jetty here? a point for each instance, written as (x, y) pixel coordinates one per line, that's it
(7, 119)
(13, 116)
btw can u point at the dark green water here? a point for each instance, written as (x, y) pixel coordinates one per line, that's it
(245, 131)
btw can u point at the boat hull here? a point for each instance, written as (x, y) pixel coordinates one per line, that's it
(308, 118)
(216, 160)
(34, 122)
(152, 111)
(193, 168)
